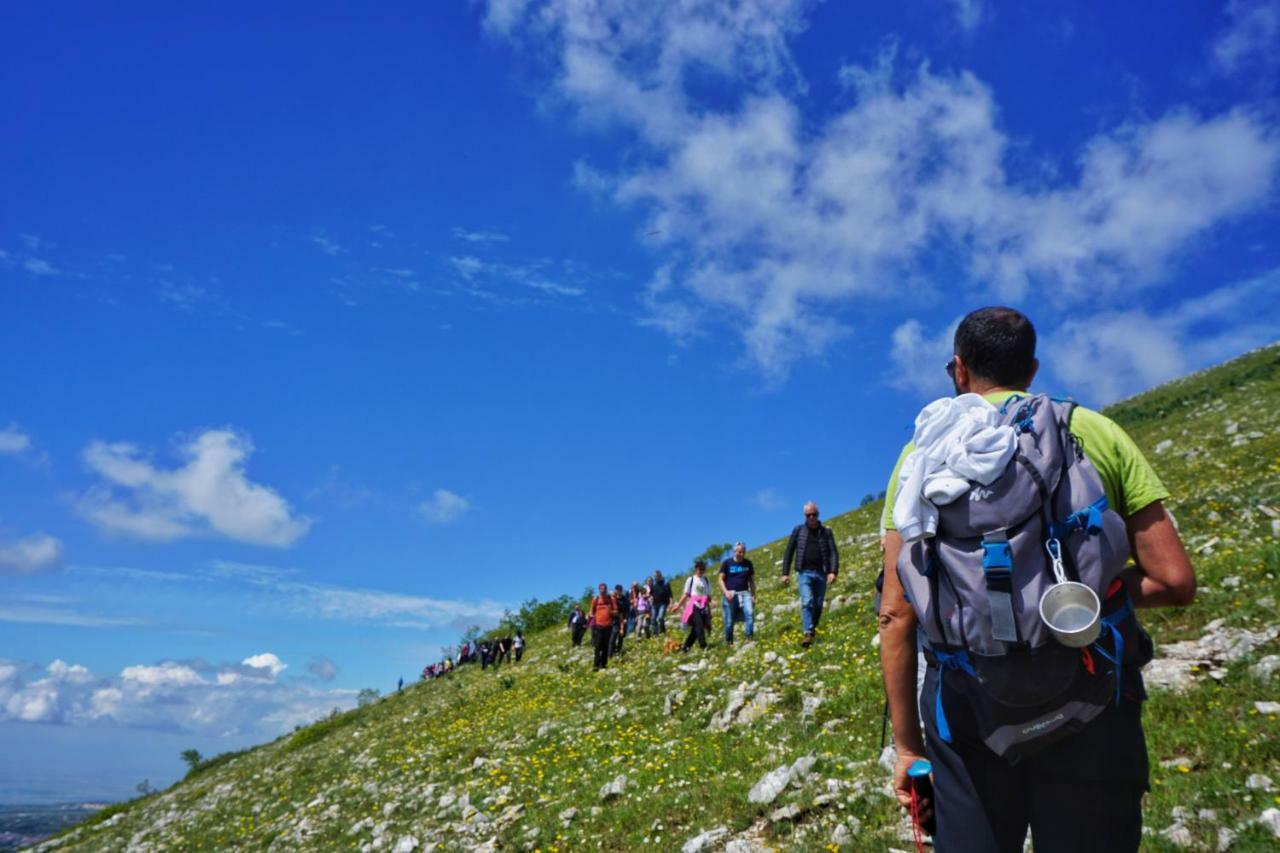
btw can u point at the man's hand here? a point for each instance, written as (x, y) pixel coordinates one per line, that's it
(786, 579)
(728, 595)
(831, 578)
(902, 785)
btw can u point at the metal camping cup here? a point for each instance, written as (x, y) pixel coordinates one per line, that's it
(1070, 609)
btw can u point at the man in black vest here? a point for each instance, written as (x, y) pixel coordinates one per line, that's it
(661, 590)
(813, 548)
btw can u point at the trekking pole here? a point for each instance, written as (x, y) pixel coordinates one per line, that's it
(921, 790)
(884, 723)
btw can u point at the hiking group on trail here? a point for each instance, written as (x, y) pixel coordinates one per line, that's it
(1021, 533)
(613, 616)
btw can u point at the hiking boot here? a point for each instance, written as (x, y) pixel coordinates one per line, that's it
(807, 639)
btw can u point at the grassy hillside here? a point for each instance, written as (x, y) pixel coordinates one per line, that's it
(518, 759)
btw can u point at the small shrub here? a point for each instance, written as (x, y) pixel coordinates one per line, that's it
(192, 757)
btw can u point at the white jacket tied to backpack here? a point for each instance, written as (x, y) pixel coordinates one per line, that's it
(958, 441)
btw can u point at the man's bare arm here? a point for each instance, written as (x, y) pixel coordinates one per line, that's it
(1163, 576)
(898, 651)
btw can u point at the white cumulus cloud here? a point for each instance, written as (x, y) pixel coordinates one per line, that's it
(30, 554)
(270, 665)
(191, 696)
(13, 440)
(919, 359)
(444, 507)
(1101, 356)
(776, 222)
(209, 494)
(1106, 356)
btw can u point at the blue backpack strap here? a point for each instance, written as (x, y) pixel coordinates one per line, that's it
(997, 571)
(947, 660)
(1111, 621)
(1088, 519)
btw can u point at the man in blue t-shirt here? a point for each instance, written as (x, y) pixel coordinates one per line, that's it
(738, 592)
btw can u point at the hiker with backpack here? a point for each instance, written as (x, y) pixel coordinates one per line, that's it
(737, 593)
(642, 606)
(661, 600)
(695, 607)
(577, 626)
(604, 613)
(624, 616)
(812, 547)
(517, 645)
(1009, 522)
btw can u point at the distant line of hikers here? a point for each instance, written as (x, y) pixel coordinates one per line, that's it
(641, 612)
(487, 653)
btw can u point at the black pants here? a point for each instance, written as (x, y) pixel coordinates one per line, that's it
(578, 631)
(600, 640)
(1082, 793)
(519, 653)
(617, 636)
(697, 629)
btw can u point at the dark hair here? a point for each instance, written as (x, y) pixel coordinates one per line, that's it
(998, 345)
(700, 564)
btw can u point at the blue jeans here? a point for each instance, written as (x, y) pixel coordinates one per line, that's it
(659, 618)
(746, 609)
(813, 591)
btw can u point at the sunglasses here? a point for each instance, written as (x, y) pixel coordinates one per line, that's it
(810, 515)
(951, 368)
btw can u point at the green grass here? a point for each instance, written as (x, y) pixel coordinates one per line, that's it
(547, 733)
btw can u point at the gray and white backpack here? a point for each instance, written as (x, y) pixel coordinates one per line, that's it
(976, 588)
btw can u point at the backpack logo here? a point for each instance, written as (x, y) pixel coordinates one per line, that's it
(1043, 724)
(980, 493)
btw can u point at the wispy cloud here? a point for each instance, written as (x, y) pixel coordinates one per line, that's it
(40, 267)
(1249, 37)
(209, 494)
(285, 591)
(63, 616)
(968, 13)
(769, 500)
(337, 489)
(328, 246)
(13, 440)
(536, 276)
(30, 554)
(185, 297)
(444, 507)
(479, 236)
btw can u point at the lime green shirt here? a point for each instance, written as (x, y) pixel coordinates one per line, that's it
(1128, 478)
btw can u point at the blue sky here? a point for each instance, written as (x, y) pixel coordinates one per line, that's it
(327, 332)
